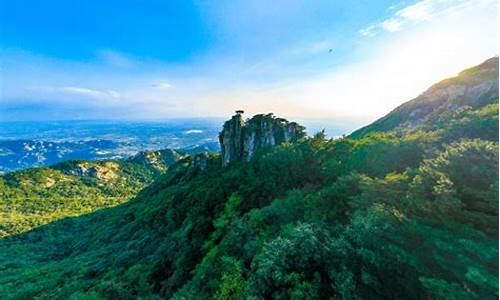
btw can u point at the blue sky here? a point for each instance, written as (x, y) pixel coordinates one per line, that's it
(160, 59)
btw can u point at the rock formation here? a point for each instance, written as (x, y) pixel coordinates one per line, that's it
(104, 171)
(239, 139)
(200, 160)
(159, 159)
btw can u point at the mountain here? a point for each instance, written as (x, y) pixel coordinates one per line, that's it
(33, 197)
(394, 212)
(472, 88)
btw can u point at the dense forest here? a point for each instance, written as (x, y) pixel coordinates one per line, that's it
(405, 208)
(37, 196)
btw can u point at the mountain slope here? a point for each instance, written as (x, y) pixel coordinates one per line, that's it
(37, 196)
(472, 88)
(389, 215)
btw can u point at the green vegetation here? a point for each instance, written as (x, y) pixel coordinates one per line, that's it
(384, 214)
(38, 196)
(387, 215)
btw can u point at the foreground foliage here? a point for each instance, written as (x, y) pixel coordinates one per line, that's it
(405, 208)
(38, 196)
(385, 216)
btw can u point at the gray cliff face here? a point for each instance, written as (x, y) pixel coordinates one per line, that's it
(231, 139)
(240, 139)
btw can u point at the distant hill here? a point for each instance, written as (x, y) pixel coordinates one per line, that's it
(36, 196)
(406, 208)
(472, 88)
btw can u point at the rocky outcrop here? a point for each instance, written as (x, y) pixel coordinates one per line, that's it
(200, 160)
(231, 139)
(159, 160)
(239, 139)
(105, 171)
(49, 182)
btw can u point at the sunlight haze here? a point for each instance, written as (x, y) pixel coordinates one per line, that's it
(356, 61)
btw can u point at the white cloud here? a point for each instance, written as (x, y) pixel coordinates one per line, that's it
(397, 69)
(368, 31)
(161, 85)
(391, 25)
(417, 12)
(89, 92)
(378, 74)
(421, 11)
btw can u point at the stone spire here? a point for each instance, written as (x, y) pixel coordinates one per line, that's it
(240, 139)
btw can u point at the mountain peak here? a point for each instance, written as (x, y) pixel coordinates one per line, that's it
(240, 139)
(473, 87)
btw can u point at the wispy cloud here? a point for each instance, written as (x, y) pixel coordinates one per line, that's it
(78, 91)
(368, 31)
(161, 85)
(398, 68)
(391, 25)
(360, 76)
(421, 11)
(90, 92)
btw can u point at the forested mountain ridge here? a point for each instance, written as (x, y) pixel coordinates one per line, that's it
(403, 214)
(470, 89)
(37, 196)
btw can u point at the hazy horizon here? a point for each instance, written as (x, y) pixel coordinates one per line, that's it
(196, 59)
(31, 129)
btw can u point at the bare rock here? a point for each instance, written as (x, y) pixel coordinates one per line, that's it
(240, 139)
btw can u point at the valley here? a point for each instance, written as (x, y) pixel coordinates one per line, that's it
(403, 208)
